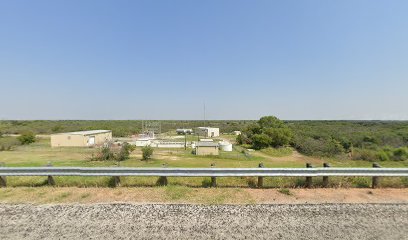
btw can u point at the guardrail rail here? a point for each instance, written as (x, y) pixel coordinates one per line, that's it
(260, 172)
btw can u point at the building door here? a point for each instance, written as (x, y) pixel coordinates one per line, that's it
(91, 141)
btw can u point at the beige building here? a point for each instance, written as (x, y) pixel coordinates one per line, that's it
(208, 132)
(81, 139)
(206, 148)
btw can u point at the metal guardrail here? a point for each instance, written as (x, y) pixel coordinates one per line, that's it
(203, 172)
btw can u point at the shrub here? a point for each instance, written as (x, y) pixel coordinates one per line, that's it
(106, 154)
(365, 154)
(125, 151)
(400, 154)
(323, 146)
(285, 191)
(206, 183)
(56, 128)
(252, 182)
(382, 156)
(147, 152)
(26, 138)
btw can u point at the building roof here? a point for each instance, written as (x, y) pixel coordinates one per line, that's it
(208, 128)
(207, 144)
(85, 133)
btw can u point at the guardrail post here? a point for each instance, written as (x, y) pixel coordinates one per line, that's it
(163, 179)
(116, 181)
(308, 182)
(376, 180)
(326, 178)
(213, 179)
(3, 179)
(260, 179)
(50, 179)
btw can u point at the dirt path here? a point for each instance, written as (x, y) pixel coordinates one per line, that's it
(126, 221)
(177, 194)
(294, 157)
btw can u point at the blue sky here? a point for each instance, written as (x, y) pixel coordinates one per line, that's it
(100, 59)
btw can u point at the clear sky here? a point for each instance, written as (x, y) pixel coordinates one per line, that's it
(83, 59)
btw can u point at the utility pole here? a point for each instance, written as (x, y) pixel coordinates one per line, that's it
(185, 140)
(204, 116)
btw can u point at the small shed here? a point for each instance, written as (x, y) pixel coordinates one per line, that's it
(206, 148)
(81, 138)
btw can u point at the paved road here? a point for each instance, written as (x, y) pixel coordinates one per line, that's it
(127, 221)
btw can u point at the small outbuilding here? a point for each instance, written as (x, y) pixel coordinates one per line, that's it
(208, 132)
(225, 146)
(206, 148)
(81, 139)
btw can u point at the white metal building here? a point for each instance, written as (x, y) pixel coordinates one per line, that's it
(208, 132)
(81, 139)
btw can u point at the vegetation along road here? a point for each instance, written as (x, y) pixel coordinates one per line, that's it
(126, 221)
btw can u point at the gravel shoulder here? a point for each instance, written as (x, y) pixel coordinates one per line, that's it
(178, 221)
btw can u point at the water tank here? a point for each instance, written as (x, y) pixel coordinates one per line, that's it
(225, 146)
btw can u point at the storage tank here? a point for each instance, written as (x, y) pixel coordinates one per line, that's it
(225, 146)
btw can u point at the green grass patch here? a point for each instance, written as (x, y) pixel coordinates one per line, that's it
(176, 192)
(85, 195)
(278, 152)
(285, 191)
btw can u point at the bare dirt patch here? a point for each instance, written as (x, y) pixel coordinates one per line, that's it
(180, 194)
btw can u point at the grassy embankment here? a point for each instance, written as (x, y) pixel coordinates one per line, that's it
(40, 153)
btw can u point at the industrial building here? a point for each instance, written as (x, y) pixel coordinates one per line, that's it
(206, 148)
(208, 131)
(81, 139)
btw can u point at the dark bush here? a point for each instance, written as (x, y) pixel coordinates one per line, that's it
(106, 153)
(26, 138)
(125, 151)
(400, 154)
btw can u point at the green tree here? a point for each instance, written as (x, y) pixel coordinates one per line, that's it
(271, 122)
(269, 131)
(26, 138)
(279, 136)
(147, 152)
(260, 141)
